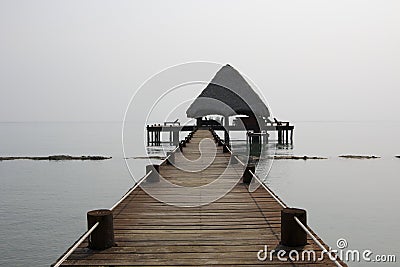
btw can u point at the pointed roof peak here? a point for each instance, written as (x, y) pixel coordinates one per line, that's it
(228, 94)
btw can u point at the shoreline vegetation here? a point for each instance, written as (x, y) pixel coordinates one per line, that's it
(56, 158)
(359, 157)
(84, 158)
(283, 157)
(278, 157)
(147, 157)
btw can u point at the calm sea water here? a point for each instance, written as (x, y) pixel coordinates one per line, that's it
(44, 204)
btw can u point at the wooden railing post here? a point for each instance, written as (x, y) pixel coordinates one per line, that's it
(247, 176)
(292, 235)
(155, 175)
(170, 158)
(103, 236)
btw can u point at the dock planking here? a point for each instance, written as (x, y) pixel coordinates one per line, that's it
(229, 231)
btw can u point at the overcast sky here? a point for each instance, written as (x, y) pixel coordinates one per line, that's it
(313, 60)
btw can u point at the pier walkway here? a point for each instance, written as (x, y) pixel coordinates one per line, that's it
(229, 231)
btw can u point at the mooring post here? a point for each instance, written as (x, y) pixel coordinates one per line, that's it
(170, 158)
(226, 137)
(220, 143)
(225, 148)
(180, 147)
(247, 176)
(255, 145)
(233, 160)
(155, 174)
(103, 236)
(292, 235)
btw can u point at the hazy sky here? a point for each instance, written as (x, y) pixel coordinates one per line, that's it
(314, 60)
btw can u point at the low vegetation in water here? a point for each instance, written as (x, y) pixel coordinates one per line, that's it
(56, 157)
(147, 157)
(297, 157)
(358, 157)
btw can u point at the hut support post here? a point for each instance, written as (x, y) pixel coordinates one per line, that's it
(279, 137)
(291, 137)
(175, 137)
(155, 173)
(287, 137)
(226, 120)
(148, 137)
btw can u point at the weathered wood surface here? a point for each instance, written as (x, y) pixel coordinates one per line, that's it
(227, 232)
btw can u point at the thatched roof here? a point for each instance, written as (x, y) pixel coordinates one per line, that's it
(236, 95)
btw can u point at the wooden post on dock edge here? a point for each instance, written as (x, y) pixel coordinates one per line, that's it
(170, 158)
(180, 146)
(247, 176)
(292, 235)
(225, 148)
(103, 236)
(233, 160)
(154, 176)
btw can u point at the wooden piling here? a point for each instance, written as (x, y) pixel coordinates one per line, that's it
(292, 235)
(155, 174)
(247, 176)
(103, 236)
(279, 137)
(287, 137)
(170, 158)
(291, 136)
(225, 148)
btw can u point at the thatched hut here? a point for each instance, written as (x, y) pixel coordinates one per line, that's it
(229, 94)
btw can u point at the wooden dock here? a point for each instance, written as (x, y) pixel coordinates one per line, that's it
(227, 232)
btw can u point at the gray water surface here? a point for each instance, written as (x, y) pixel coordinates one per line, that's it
(44, 203)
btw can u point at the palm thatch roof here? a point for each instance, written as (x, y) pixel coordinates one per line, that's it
(228, 94)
